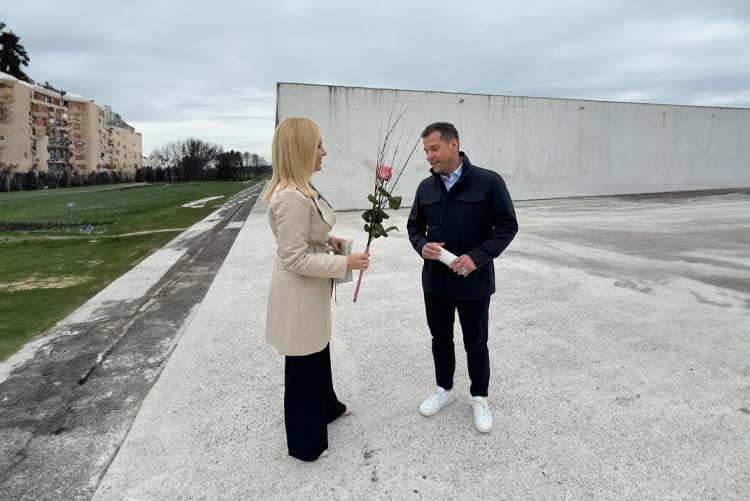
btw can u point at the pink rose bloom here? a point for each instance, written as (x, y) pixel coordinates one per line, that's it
(384, 172)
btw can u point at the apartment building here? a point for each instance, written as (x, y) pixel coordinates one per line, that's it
(88, 135)
(125, 148)
(16, 121)
(124, 143)
(44, 129)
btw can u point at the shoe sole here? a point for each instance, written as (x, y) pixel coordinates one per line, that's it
(440, 409)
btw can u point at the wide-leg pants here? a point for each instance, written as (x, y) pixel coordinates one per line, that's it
(474, 317)
(309, 404)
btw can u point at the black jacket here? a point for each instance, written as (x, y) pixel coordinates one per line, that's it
(476, 217)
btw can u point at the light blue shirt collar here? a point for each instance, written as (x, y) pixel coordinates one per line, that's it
(451, 180)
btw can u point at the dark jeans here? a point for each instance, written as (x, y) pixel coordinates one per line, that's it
(309, 404)
(474, 318)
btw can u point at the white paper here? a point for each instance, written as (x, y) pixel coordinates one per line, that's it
(347, 246)
(446, 256)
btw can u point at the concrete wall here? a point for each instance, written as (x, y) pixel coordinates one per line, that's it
(543, 148)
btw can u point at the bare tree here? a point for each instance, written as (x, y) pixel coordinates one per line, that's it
(168, 156)
(196, 155)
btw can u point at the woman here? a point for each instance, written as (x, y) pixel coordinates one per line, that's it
(299, 301)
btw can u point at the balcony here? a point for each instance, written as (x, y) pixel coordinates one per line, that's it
(59, 142)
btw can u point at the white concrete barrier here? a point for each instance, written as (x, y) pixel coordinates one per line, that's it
(543, 148)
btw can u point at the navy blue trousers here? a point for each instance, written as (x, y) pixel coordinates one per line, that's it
(309, 404)
(474, 318)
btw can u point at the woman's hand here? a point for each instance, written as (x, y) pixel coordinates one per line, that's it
(335, 244)
(358, 261)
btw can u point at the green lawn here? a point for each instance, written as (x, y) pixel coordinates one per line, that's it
(31, 262)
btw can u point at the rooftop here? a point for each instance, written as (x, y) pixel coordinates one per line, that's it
(618, 344)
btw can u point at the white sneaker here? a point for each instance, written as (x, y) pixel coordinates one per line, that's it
(435, 402)
(482, 414)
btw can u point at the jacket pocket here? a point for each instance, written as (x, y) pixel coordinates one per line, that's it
(432, 208)
(471, 197)
(430, 199)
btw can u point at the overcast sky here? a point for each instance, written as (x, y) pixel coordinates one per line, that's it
(209, 69)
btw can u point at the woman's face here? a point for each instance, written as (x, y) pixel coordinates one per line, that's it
(319, 156)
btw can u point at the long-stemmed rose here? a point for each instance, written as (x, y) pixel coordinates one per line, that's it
(384, 172)
(384, 187)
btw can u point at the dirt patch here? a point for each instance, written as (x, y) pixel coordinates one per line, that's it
(44, 283)
(35, 237)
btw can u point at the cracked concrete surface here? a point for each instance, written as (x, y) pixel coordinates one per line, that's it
(619, 341)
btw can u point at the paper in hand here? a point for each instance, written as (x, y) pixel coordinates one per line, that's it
(446, 256)
(346, 248)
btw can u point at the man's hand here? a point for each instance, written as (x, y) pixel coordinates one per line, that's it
(463, 265)
(431, 250)
(335, 244)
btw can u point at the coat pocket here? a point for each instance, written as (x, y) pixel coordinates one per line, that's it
(432, 208)
(430, 199)
(471, 197)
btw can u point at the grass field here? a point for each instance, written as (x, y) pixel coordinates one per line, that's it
(44, 275)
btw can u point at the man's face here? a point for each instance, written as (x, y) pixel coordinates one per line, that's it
(441, 155)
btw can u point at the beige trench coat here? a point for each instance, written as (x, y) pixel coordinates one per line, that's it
(298, 321)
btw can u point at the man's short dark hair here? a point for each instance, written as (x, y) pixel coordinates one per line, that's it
(447, 131)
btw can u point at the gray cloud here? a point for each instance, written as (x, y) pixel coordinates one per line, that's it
(209, 69)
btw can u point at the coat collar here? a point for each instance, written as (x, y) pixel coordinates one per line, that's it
(466, 168)
(324, 208)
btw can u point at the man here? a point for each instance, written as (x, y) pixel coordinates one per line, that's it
(467, 210)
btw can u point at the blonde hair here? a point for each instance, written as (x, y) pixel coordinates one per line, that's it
(293, 155)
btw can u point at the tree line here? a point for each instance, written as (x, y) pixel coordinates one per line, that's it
(193, 159)
(32, 180)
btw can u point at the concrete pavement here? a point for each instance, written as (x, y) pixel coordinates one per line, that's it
(619, 343)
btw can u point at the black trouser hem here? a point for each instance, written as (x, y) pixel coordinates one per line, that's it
(310, 404)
